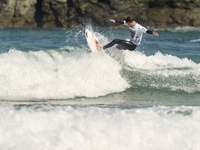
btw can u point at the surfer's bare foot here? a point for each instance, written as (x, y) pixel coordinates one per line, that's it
(98, 47)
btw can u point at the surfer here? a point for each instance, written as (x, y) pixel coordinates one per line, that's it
(136, 35)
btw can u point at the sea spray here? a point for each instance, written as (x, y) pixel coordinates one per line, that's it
(53, 75)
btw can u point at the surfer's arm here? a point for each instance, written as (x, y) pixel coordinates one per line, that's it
(118, 21)
(151, 32)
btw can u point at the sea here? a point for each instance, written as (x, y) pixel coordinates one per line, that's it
(55, 94)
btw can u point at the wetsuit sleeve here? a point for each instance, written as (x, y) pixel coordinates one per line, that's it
(119, 21)
(144, 30)
(149, 32)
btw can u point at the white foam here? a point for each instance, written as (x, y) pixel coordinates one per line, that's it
(172, 72)
(196, 40)
(58, 75)
(96, 128)
(158, 61)
(74, 36)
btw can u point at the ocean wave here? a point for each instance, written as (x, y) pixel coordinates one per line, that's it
(52, 128)
(72, 71)
(181, 29)
(58, 75)
(196, 40)
(162, 71)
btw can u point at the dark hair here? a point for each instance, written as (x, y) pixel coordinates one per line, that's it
(129, 19)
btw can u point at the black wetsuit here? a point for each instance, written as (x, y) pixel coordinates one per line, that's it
(122, 44)
(136, 37)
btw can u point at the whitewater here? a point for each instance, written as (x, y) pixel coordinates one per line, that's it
(55, 75)
(56, 94)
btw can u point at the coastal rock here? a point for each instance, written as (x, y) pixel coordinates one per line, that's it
(73, 13)
(54, 13)
(169, 13)
(17, 13)
(6, 12)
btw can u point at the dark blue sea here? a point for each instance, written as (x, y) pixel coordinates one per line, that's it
(55, 94)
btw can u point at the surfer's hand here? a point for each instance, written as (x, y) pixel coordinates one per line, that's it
(155, 33)
(112, 20)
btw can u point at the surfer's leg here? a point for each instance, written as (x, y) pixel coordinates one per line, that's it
(123, 44)
(115, 41)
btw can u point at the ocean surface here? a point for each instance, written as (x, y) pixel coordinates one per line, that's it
(55, 94)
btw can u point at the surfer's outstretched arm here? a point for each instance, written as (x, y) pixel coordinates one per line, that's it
(124, 23)
(153, 33)
(117, 21)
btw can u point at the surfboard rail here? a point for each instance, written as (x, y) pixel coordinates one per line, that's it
(92, 41)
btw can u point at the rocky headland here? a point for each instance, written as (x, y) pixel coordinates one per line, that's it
(74, 13)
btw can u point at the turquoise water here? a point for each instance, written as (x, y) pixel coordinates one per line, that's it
(56, 94)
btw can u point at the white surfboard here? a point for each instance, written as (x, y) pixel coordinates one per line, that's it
(91, 40)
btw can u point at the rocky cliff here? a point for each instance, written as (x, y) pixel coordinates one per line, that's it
(71, 13)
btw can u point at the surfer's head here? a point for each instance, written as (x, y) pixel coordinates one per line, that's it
(130, 21)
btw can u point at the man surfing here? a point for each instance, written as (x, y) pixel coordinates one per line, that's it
(136, 36)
